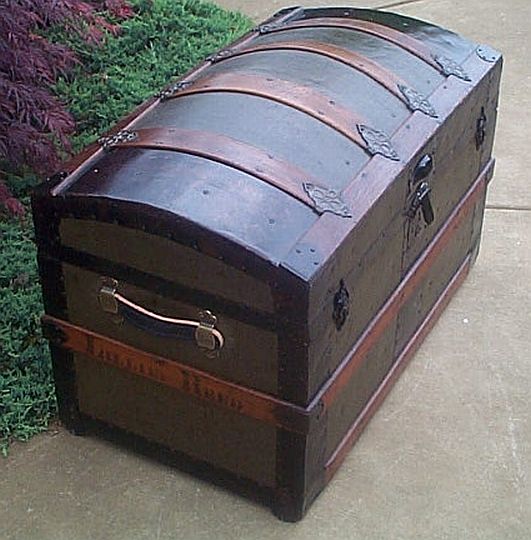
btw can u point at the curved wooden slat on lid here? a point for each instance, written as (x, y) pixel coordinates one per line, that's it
(381, 31)
(378, 73)
(296, 96)
(240, 156)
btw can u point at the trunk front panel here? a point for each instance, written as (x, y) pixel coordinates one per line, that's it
(249, 356)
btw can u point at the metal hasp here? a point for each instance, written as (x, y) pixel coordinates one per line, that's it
(421, 199)
(417, 102)
(327, 200)
(378, 142)
(423, 168)
(451, 67)
(341, 305)
(123, 136)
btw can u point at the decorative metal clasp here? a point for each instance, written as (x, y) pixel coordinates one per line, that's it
(221, 55)
(417, 102)
(327, 200)
(204, 333)
(377, 142)
(451, 67)
(174, 89)
(341, 305)
(268, 28)
(123, 136)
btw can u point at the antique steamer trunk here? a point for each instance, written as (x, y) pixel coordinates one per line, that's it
(242, 267)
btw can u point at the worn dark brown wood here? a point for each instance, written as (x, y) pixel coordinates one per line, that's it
(282, 185)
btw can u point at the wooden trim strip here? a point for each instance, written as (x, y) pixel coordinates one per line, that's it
(185, 379)
(345, 371)
(335, 460)
(368, 67)
(230, 152)
(302, 98)
(402, 40)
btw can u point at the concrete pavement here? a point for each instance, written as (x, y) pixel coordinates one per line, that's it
(448, 456)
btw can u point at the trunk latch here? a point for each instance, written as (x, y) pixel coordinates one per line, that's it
(421, 199)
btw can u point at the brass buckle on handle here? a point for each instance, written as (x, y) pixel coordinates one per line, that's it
(204, 333)
(206, 336)
(107, 295)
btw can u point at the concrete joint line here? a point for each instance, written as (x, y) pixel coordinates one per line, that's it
(397, 4)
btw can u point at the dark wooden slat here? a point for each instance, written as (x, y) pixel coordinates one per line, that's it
(335, 460)
(302, 98)
(170, 373)
(368, 67)
(381, 31)
(229, 152)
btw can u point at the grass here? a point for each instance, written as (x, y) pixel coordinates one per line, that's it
(164, 39)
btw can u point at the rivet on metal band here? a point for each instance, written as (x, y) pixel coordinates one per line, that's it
(417, 102)
(120, 137)
(327, 200)
(451, 67)
(378, 142)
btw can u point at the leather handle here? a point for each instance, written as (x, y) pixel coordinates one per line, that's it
(202, 331)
